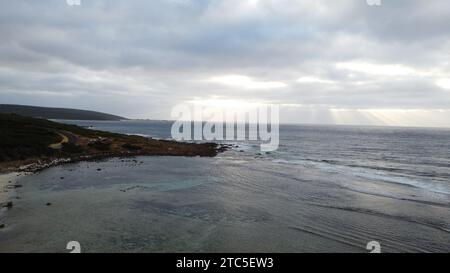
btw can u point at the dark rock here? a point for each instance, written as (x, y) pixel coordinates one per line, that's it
(2, 226)
(62, 177)
(99, 169)
(9, 205)
(131, 147)
(48, 204)
(18, 186)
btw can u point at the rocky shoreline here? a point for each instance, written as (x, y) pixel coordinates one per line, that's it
(11, 171)
(36, 165)
(30, 145)
(8, 185)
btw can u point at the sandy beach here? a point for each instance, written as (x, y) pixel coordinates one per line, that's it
(7, 186)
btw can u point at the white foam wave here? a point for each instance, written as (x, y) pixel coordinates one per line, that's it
(366, 173)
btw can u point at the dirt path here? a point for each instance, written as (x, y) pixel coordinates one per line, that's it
(58, 145)
(72, 138)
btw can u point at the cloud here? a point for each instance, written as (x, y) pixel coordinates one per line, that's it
(377, 69)
(140, 58)
(245, 82)
(444, 83)
(313, 79)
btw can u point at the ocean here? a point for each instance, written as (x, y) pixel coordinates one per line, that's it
(326, 189)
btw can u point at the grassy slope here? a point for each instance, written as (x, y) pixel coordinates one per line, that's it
(28, 139)
(23, 137)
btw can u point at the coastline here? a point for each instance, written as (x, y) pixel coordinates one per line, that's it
(7, 182)
(10, 172)
(38, 164)
(32, 144)
(8, 185)
(167, 203)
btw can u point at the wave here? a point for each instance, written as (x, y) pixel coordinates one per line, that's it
(136, 134)
(147, 136)
(369, 173)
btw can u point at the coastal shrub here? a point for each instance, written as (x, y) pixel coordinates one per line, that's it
(21, 138)
(100, 145)
(71, 148)
(131, 147)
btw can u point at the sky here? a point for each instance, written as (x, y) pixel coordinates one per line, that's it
(324, 62)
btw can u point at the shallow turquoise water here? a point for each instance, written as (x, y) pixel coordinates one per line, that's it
(165, 204)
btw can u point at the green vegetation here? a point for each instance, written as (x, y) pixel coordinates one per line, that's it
(15, 140)
(101, 146)
(26, 140)
(24, 137)
(131, 147)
